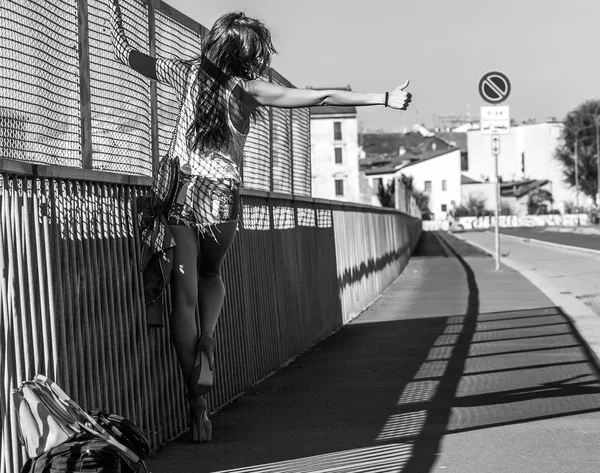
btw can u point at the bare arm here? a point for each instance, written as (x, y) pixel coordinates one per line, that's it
(265, 93)
(170, 71)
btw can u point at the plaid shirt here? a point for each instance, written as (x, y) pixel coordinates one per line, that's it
(213, 172)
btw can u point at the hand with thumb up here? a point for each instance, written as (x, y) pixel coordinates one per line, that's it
(399, 98)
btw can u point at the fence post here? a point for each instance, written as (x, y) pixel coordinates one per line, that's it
(309, 155)
(271, 177)
(84, 84)
(291, 132)
(153, 5)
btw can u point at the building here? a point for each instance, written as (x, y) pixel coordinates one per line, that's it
(383, 154)
(526, 153)
(437, 173)
(334, 153)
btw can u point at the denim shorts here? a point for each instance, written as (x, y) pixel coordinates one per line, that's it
(200, 201)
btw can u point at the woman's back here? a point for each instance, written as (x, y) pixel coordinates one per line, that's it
(225, 162)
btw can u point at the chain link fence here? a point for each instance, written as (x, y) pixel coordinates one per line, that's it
(65, 101)
(39, 96)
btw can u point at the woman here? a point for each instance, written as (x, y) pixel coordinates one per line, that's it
(219, 93)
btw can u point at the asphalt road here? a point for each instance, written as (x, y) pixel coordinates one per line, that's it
(562, 236)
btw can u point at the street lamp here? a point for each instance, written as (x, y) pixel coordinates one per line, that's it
(576, 131)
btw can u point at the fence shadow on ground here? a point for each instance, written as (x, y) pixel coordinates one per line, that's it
(382, 396)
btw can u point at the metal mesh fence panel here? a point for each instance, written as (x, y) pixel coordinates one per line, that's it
(282, 147)
(39, 96)
(257, 173)
(120, 97)
(301, 151)
(41, 109)
(172, 40)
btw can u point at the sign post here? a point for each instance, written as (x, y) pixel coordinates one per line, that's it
(496, 152)
(494, 88)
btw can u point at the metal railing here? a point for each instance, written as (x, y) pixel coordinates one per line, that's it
(75, 154)
(72, 302)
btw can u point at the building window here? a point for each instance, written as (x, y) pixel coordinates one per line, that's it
(464, 162)
(444, 185)
(339, 187)
(338, 155)
(444, 207)
(337, 131)
(427, 186)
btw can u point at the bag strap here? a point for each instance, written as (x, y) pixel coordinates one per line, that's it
(97, 430)
(101, 433)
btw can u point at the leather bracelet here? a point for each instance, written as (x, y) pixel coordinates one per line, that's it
(387, 96)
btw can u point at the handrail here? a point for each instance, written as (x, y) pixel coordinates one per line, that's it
(70, 173)
(89, 175)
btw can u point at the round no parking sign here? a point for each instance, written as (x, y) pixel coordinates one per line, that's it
(494, 87)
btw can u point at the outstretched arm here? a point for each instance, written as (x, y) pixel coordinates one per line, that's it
(265, 93)
(170, 71)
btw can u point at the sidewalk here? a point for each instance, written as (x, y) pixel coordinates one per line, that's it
(570, 277)
(456, 368)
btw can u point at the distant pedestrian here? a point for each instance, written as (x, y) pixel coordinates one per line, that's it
(220, 92)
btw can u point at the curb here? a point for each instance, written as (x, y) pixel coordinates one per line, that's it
(551, 244)
(585, 322)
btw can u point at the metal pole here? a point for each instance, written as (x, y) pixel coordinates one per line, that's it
(497, 222)
(597, 162)
(84, 85)
(576, 173)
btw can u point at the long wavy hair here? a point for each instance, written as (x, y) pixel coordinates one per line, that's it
(236, 46)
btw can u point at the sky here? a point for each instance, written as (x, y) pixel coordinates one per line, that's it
(547, 48)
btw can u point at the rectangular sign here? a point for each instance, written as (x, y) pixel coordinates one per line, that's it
(495, 120)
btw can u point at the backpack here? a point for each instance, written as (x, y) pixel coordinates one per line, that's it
(84, 453)
(48, 419)
(124, 431)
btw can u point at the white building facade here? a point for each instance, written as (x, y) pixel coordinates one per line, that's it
(527, 152)
(335, 153)
(439, 176)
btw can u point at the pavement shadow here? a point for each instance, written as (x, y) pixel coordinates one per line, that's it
(380, 396)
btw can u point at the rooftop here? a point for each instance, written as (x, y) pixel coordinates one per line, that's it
(389, 143)
(332, 110)
(520, 188)
(400, 162)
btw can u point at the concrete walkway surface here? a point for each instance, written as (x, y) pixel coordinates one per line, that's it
(456, 368)
(567, 275)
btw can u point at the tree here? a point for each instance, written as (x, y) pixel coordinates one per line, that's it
(580, 128)
(387, 194)
(473, 207)
(421, 198)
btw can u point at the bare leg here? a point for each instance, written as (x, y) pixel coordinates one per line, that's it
(211, 290)
(190, 273)
(184, 295)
